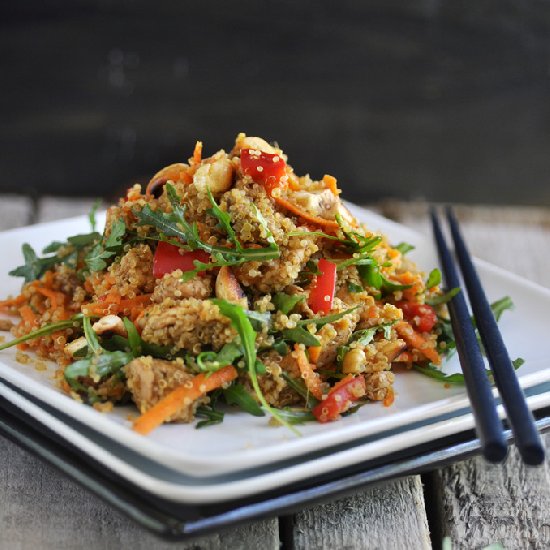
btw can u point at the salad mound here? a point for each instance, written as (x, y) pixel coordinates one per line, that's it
(230, 279)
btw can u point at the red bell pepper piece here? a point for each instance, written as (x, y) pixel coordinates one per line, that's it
(168, 258)
(421, 316)
(321, 293)
(340, 398)
(264, 168)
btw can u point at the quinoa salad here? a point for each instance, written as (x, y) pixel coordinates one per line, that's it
(230, 283)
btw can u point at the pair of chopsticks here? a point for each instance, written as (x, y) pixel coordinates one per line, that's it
(489, 427)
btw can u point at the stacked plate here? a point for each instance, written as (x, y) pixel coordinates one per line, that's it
(245, 456)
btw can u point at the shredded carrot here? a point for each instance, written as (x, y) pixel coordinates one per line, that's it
(390, 398)
(109, 305)
(17, 301)
(28, 315)
(197, 152)
(56, 298)
(311, 379)
(171, 403)
(314, 352)
(329, 224)
(417, 341)
(330, 182)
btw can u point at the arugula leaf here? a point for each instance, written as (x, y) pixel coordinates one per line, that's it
(320, 321)
(92, 214)
(389, 286)
(44, 331)
(91, 336)
(295, 416)
(34, 266)
(210, 361)
(443, 298)
(134, 339)
(281, 347)
(457, 378)
(285, 303)
(236, 394)
(97, 258)
(97, 367)
(434, 278)
(363, 337)
(300, 335)
(353, 287)
(404, 247)
(360, 260)
(370, 275)
(300, 388)
(242, 325)
(211, 415)
(224, 219)
(500, 306)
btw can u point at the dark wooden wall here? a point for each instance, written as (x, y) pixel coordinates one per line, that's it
(445, 99)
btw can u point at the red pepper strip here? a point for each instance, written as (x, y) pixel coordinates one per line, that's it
(321, 293)
(340, 398)
(168, 258)
(421, 316)
(264, 168)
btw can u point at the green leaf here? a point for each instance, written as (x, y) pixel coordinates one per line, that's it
(300, 388)
(134, 339)
(280, 347)
(443, 298)
(91, 336)
(92, 214)
(433, 372)
(320, 321)
(211, 415)
(34, 266)
(237, 395)
(295, 416)
(210, 361)
(224, 219)
(404, 247)
(97, 258)
(370, 275)
(285, 303)
(389, 286)
(500, 306)
(434, 278)
(353, 287)
(244, 329)
(301, 336)
(44, 331)
(518, 362)
(97, 367)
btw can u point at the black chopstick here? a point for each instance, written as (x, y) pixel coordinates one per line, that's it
(527, 438)
(488, 425)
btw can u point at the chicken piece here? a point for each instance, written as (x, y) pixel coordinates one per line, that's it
(171, 286)
(188, 325)
(149, 380)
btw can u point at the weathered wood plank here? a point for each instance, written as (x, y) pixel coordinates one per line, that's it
(14, 211)
(391, 516)
(481, 503)
(40, 508)
(52, 208)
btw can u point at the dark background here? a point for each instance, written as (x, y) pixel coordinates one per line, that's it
(447, 100)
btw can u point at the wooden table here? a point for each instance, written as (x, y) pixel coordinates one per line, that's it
(474, 503)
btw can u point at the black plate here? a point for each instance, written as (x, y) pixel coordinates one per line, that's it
(184, 521)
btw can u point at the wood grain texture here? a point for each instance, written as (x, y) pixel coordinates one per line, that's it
(41, 509)
(391, 516)
(481, 503)
(14, 211)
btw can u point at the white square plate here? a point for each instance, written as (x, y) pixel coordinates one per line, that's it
(243, 441)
